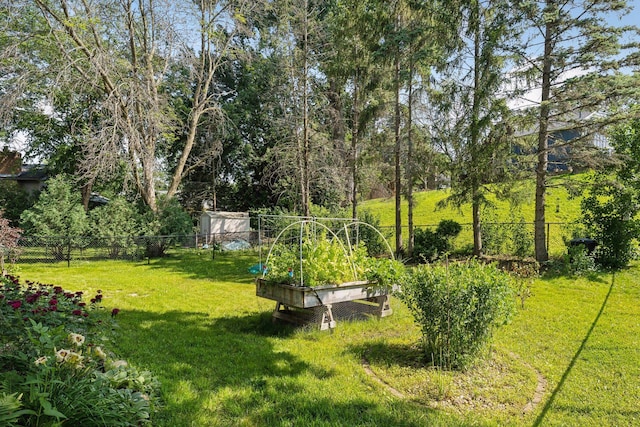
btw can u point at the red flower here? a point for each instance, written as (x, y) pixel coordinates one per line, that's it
(15, 304)
(53, 301)
(77, 312)
(114, 312)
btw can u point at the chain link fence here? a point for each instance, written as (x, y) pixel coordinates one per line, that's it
(51, 249)
(512, 239)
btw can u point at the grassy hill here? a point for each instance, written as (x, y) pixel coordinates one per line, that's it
(561, 206)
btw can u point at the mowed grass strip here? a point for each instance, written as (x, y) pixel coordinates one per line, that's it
(196, 323)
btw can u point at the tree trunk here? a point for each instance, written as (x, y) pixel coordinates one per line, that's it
(543, 150)
(354, 148)
(305, 188)
(397, 153)
(409, 183)
(477, 226)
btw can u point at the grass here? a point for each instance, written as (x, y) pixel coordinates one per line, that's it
(561, 205)
(562, 208)
(197, 324)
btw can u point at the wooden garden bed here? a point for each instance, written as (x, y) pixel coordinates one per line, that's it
(304, 298)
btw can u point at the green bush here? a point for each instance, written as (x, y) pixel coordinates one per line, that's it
(165, 226)
(431, 245)
(116, 222)
(457, 307)
(521, 239)
(608, 214)
(375, 243)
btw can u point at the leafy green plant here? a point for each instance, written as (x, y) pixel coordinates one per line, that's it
(609, 217)
(164, 226)
(52, 358)
(457, 306)
(321, 261)
(431, 245)
(521, 239)
(57, 213)
(116, 221)
(494, 234)
(579, 262)
(374, 242)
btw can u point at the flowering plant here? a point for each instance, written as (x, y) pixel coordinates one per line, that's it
(52, 358)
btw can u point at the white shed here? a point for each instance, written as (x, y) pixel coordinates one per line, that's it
(218, 223)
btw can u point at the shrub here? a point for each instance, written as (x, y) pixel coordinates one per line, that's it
(116, 221)
(457, 307)
(608, 214)
(374, 242)
(170, 221)
(430, 245)
(58, 211)
(8, 242)
(521, 239)
(494, 234)
(579, 262)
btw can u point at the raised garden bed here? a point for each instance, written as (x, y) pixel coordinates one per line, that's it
(290, 297)
(316, 269)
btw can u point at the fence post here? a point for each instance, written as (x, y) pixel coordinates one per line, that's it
(548, 236)
(68, 252)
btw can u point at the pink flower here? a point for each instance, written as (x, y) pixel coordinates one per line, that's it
(53, 301)
(15, 304)
(77, 312)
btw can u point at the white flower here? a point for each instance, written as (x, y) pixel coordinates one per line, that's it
(74, 359)
(41, 360)
(76, 339)
(100, 353)
(62, 354)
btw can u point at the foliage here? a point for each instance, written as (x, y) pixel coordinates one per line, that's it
(457, 307)
(521, 239)
(609, 216)
(117, 221)
(14, 200)
(323, 261)
(374, 242)
(52, 356)
(171, 220)
(579, 261)
(58, 211)
(431, 245)
(8, 241)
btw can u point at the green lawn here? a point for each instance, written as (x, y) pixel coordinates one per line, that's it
(561, 206)
(570, 357)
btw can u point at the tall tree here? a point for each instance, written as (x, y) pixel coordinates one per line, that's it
(578, 71)
(123, 51)
(472, 121)
(351, 65)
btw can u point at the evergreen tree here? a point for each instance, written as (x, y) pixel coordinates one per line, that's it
(575, 59)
